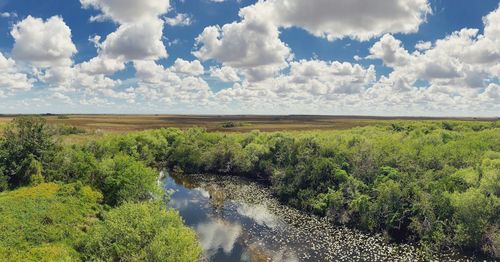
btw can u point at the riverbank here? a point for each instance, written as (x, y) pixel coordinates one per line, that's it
(237, 219)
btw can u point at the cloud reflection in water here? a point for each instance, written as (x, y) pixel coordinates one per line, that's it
(259, 213)
(218, 234)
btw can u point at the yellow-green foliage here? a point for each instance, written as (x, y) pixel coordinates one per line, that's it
(141, 232)
(43, 223)
(50, 221)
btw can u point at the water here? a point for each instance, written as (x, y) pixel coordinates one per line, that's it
(239, 220)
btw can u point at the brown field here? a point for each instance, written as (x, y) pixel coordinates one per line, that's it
(243, 123)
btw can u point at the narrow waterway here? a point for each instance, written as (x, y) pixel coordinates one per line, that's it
(239, 220)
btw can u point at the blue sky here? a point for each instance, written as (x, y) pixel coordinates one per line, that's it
(234, 57)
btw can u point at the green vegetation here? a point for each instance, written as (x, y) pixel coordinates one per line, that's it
(65, 203)
(42, 223)
(141, 232)
(436, 183)
(432, 182)
(231, 124)
(27, 152)
(65, 129)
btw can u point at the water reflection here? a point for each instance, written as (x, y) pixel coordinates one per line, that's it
(218, 234)
(259, 213)
(238, 220)
(228, 229)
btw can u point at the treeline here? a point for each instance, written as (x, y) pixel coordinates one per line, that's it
(432, 182)
(435, 183)
(64, 203)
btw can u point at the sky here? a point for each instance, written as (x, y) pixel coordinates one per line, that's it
(325, 57)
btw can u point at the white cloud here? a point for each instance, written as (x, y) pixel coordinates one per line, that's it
(136, 41)
(422, 46)
(391, 52)
(43, 43)
(491, 93)
(310, 85)
(251, 46)
(193, 68)
(8, 15)
(48, 48)
(138, 36)
(456, 75)
(453, 74)
(357, 19)
(63, 98)
(179, 20)
(178, 84)
(128, 11)
(225, 74)
(102, 65)
(10, 77)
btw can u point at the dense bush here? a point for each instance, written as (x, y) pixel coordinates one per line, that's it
(124, 179)
(49, 222)
(141, 232)
(43, 223)
(27, 152)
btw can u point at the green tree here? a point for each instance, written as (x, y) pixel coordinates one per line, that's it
(124, 179)
(26, 140)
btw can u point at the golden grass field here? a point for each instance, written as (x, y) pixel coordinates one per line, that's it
(99, 125)
(243, 123)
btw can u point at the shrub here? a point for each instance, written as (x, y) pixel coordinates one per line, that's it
(26, 140)
(123, 179)
(141, 232)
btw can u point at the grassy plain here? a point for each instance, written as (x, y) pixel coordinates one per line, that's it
(237, 123)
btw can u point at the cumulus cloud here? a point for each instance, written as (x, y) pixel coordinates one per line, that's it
(61, 97)
(128, 11)
(225, 74)
(11, 79)
(452, 75)
(179, 84)
(43, 43)
(455, 75)
(102, 65)
(491, 93)
(463, 59)
(357, 19)
(422, 46)
(251, 46)
(193, 68)
(46, 47)
(390, 51)
(179, 20)
(136, 41)
(334, 19)
(309, 86)
(138, 36)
